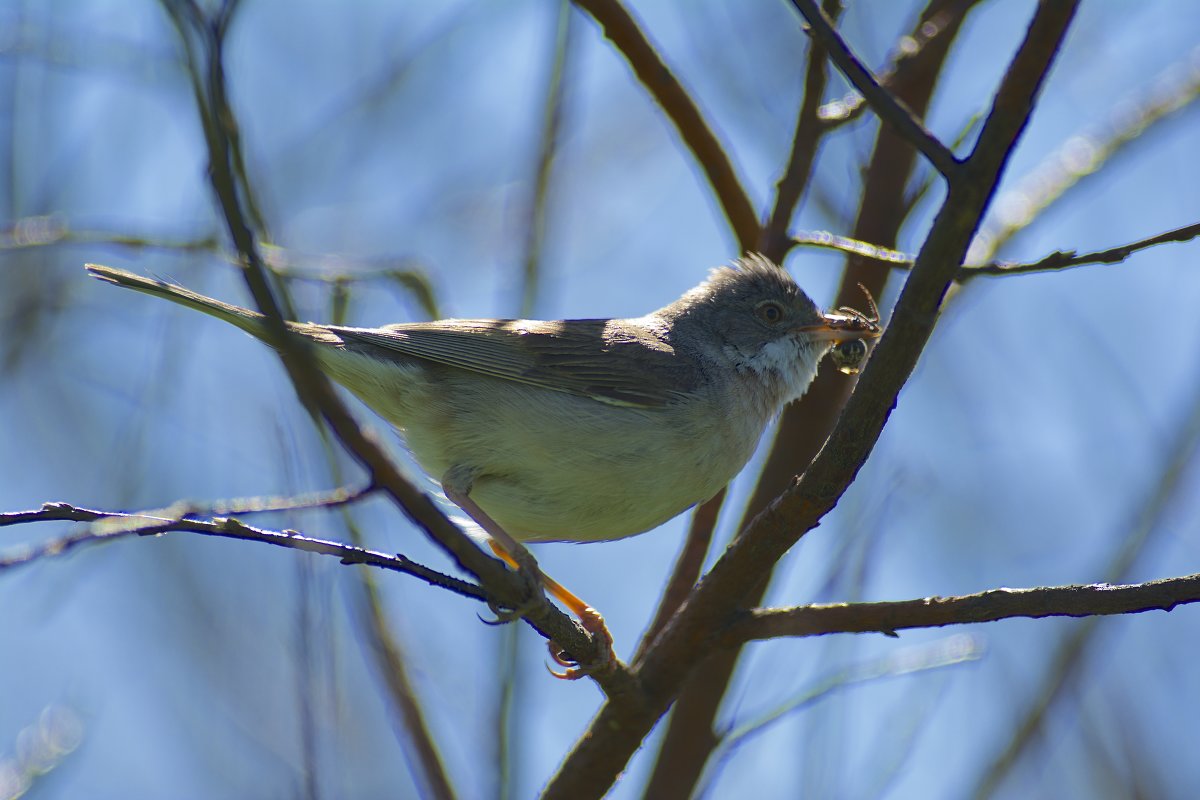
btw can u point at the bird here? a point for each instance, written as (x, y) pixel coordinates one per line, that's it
(578, 430)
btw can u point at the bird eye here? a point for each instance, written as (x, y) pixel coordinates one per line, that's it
(769, 312)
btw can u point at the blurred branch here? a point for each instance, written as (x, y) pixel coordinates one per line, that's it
(922, 657)
(1086, 153)
(796, 176)
(1070, 658)
(336, 270)
(386, 650)
(29, 761)
(905, 64)
(264, 505)
(993, 605)
(391, 662)
(626, 35)
(882, 102)
(112, 525)
(53, 229)
(535, 225)
(847, 244)
(688, 565)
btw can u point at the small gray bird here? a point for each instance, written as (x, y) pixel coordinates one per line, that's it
(579, 430)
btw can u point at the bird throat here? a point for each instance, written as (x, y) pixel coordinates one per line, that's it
(783, 368)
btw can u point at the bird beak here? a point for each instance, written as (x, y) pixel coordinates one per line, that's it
(840, 327)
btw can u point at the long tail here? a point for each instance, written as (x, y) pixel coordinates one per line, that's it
(249, 321)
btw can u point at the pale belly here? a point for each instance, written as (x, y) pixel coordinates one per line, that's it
(552, 466)
(560, 467)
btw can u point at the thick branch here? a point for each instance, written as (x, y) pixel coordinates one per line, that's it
(619, 728)
(691, 736)
(882, 102)
(990, 606)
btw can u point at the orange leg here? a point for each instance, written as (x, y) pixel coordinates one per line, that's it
(456, 483)
(589, 617)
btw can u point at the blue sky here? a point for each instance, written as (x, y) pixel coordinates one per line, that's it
(1021, 453)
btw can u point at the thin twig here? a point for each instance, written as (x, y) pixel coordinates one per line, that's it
(882, 102)
(846, 244)
(1067, 259)
(1058, 260)
(111, 525)
(52, 230)
(946, 652)
(265, 505)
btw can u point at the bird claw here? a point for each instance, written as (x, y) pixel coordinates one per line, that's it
(503, 616)
(593, 623)
(533, 598)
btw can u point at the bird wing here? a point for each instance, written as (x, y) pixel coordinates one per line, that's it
(614, 363)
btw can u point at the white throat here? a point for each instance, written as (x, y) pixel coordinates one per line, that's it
(786, 367)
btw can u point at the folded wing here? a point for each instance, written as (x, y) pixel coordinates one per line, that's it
(606, 360)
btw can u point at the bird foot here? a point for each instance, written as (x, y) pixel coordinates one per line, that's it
(593, 623)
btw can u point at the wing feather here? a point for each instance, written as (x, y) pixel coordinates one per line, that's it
(607, 360)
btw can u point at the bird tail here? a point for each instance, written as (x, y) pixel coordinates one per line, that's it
(251, 322)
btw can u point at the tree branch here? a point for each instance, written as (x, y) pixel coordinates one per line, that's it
(1067, 259)
(882, 102)
(115, 525)
(991, 606)
(692, 733)
(620, 726)
(1058, 260)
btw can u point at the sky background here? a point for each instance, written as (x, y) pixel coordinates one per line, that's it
(1023, 452)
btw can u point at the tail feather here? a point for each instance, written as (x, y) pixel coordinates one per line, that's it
(249, 321)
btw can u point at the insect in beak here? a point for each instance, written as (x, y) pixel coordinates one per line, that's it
(850, 351)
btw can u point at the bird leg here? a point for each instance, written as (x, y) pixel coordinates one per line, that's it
(457, 486)
(589, 618)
